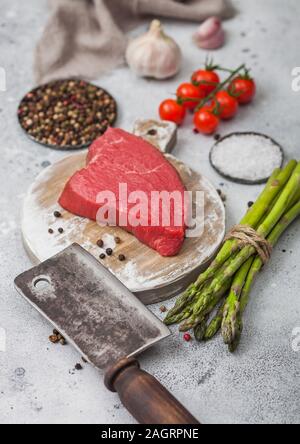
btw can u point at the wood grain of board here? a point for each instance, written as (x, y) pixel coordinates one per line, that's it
(151, 277)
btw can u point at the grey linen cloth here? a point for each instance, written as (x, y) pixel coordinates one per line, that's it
(84, 38)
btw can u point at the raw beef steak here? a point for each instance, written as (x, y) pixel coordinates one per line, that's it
(122, 158)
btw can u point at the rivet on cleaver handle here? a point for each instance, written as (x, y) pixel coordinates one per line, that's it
(103, 320)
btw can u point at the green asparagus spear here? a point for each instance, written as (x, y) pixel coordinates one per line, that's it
(283, 203)
(275, 184)
(187, 310)
(230, 325)
(256, 266)
(273, 239)
(286, 198)
(215, 324)
(200, 329)
(209, 303)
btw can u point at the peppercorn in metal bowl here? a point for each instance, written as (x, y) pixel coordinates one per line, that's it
(67, 114)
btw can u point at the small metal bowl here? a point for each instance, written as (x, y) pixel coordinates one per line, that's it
(38, 92)
(237, 179)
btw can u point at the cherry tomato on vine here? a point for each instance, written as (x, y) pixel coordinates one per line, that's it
(209, 78)
(227, 105)
(171, 110)
(211, 106)
(243, 88)
(205, 121)
(189, 91)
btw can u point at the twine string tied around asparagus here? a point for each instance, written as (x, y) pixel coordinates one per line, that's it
(248, 236)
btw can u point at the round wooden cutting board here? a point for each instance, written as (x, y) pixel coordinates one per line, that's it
(151, 277)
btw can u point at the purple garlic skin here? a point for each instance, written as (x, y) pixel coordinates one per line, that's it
(210, 34)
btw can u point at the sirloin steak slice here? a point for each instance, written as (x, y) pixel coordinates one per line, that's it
(119, 157)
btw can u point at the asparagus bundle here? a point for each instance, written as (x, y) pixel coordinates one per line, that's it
(224, 288)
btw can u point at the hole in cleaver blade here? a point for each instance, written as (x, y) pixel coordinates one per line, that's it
(91, 308)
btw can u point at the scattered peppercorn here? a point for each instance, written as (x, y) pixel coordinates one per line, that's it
(100, 243)
(60, 230)
(195, 131)
(57, 214)
(152, 132)
(217, 137)
(84, 360)
(67, 113)
(109, 252)
(163, 308)
(78, 367)
(283, 251)
(122, 258)
(102, 256)
(50, 231)
(54, 339)
(250, 204)
(187, 337)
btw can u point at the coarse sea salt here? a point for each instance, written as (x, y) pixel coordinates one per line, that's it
(246, 157)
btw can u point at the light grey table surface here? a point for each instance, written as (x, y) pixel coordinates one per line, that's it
(260, 383)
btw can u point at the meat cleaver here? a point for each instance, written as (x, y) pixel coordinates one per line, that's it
(108, 325)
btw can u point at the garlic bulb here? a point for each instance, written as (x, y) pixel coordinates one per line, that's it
(210, 34)
(154, 54)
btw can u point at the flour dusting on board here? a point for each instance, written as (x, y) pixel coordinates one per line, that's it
(109, 241)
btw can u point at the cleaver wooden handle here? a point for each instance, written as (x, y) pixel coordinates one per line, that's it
(144, 397)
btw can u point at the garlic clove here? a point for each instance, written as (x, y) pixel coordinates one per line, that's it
(154, 54)
(210, 27)
(214, 42)
(210, 35)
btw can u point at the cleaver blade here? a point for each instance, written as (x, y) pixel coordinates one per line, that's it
(90, 307)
